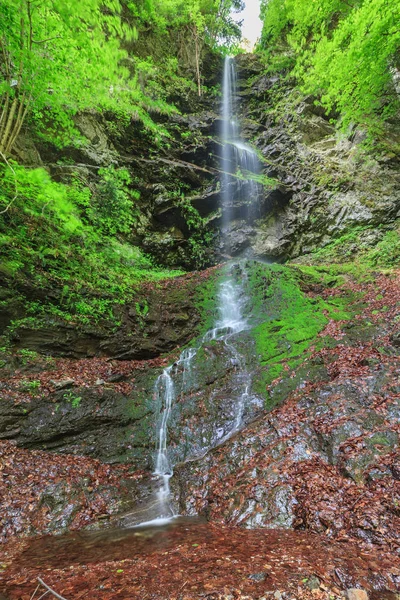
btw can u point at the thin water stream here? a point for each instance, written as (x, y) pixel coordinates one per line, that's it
(230, 323)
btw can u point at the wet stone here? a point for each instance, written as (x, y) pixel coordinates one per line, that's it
(258, 576)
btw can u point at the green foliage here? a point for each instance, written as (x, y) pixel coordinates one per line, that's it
(73, 399)
(61, 58)
(32, 387)
(27, 356)
(201, 235)
(356, 251)
(50, 235)
(142, 310)
(346, 54)
(211, 17)
(113, 211)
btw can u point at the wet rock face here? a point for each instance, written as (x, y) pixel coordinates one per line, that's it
(117, 422)
(207, 399)
(109, 409)
(325, 462)
(327, 190)
(93, 421)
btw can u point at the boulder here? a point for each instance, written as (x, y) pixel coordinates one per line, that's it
(356, 594)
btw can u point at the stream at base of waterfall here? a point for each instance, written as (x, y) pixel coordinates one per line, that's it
(239, 163)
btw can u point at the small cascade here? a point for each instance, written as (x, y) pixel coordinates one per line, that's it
(165, 395)
(179, 375)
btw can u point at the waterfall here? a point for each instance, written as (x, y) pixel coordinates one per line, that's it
(236, 159)
(240, 165)
(230, 322)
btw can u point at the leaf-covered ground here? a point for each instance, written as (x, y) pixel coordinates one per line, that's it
(196, 561)
(42, 492)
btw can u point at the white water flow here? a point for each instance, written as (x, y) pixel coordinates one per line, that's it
(236, 158)
(230, 322)
(239, 162)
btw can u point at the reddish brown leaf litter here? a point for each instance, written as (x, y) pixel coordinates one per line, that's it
(84, 373)
(31, 480)
(195, 561)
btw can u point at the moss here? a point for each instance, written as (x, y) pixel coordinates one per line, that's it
(388, 438)
(287, 321)
(359, 251)
(206, 301)
(292, 318)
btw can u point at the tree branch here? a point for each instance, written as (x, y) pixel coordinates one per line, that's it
(50, 590)
(56, 37)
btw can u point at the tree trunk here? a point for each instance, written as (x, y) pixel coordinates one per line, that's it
(9, 125)
(18, 125)
(196, 41)
(4, 113)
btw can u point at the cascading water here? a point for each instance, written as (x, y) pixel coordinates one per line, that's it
(237, 160)
(230, 322)
(240, 166)
(165, 394)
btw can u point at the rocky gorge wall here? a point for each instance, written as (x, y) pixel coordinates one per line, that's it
(325, 184)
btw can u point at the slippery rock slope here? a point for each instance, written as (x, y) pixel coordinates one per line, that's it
(327, 459)
(108, 409)
(101, 406)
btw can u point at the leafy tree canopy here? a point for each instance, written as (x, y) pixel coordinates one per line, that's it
(345, 52)
(58, 58)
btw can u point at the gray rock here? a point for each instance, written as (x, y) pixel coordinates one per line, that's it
(258, 577)
(62, 384)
